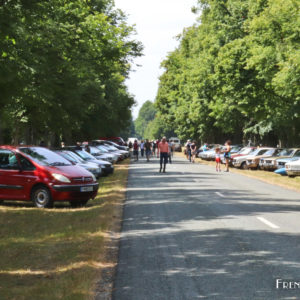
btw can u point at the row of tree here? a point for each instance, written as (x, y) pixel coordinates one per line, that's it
(63, 67)
(236, 74)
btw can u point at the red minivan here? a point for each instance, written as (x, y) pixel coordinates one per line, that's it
(42, 176)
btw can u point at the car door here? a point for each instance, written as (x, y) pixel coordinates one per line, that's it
(11, 185)
(27, 176)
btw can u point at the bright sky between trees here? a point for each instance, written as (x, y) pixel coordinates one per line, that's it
(158, 22)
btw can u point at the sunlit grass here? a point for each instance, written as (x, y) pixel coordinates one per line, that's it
(58, 253)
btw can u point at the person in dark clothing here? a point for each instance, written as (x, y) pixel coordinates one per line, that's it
(136, 150)
(148, 149)
(78, 146)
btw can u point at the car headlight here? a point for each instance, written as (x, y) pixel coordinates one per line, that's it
(94, 178)
(61, 178)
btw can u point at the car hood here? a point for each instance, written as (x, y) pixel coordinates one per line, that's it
(262, 156)
(288, 159)
(294, 163)
(69, 171)
(277, 157)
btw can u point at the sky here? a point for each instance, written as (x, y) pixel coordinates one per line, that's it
(157, 23)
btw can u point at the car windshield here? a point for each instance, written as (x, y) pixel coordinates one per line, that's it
(74, 156)
(67, 156)
(258, 152)
(270, 152)
(85, 155)
(45, 156)
(110, 147)
(285, 152)
(95, 151)
(114, 144)
(102, 149)
(245, 151)
(297, 154)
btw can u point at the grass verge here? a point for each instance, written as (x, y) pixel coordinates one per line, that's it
(59, 253)
(266, 176)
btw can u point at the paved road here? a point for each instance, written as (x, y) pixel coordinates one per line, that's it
(193, 233)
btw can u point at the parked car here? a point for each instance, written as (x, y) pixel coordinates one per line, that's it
(293, 168)
(206, 155)
(124, 148)
(177, 144)
(106, 166)
(42, 176)
(241, 162)
(75, 160)
(270, 163)
(243, 152)
(116, 139)
(280, 163)
(253, 163)
(101, 152)
(111, 148)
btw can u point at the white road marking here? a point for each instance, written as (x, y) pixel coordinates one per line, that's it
(219, 194)
(268, 223)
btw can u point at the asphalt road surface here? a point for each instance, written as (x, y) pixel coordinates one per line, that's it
(193, 233)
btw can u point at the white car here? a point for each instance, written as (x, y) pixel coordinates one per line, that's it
(293, 168)
(241, 162)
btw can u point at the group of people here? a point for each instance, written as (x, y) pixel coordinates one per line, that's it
(191, 152)
(163, 149)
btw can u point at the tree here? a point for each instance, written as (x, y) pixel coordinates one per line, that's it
(146, 115)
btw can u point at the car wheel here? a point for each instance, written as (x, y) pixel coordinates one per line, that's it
(1, 201)
(291, 176)
(244, 166)
(41, 197)
(78, 203)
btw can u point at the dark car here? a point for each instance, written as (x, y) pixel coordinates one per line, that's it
(42, 176)
(118, 140)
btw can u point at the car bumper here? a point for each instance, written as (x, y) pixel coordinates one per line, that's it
(108, 170)
(293, 172)
(252, 165)
(236, 164)
(268, 167)
(74, 192)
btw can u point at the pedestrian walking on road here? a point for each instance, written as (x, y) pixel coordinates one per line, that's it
(227, 154)
(170, 152)
(148, 149)
(142, 146)
(163, 150)
(157, 143)
(193, 151)
(218, 159)
(153, 147)
(136, 150)
(188, 151)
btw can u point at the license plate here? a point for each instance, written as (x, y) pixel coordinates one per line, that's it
(86, 189)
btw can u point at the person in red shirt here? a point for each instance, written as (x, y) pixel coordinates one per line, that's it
(163, 150)
(136, 150)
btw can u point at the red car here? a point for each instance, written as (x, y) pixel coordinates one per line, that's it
(42, 176)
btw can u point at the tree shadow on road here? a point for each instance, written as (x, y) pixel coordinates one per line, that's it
(184, 241)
